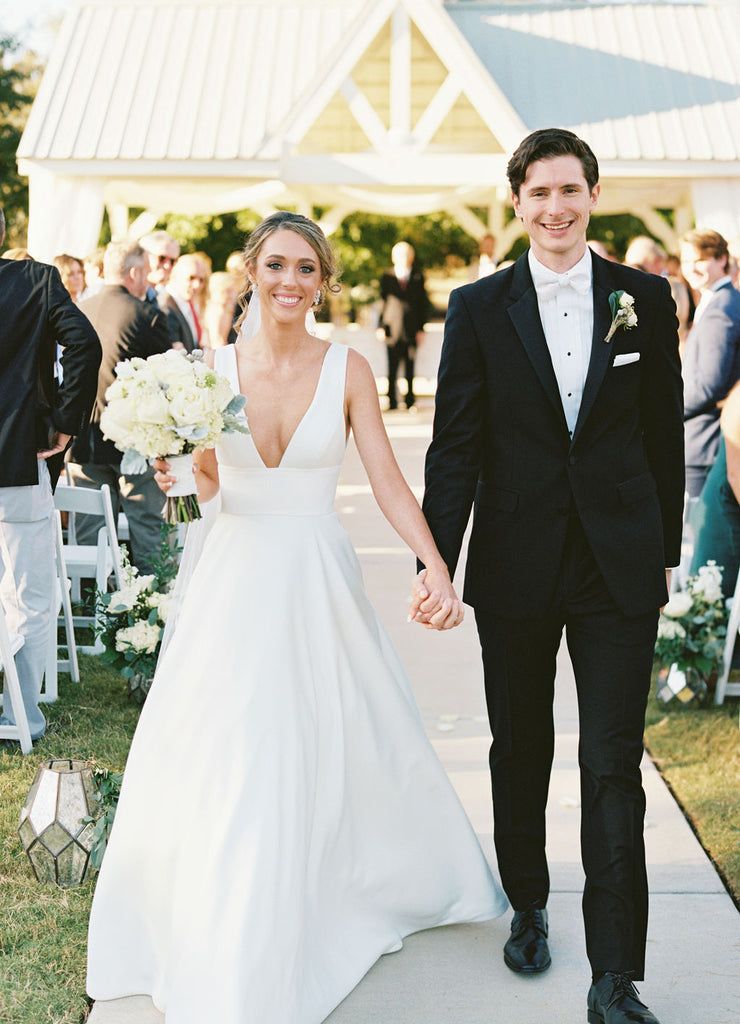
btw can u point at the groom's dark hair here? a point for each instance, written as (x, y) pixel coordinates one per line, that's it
(545, 144)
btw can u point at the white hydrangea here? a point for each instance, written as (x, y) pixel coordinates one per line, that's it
(161, 602)
(141, 637)
(708, 583)
(669, 629)
(678, 605)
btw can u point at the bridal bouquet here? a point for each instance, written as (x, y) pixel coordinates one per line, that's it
(165, 407)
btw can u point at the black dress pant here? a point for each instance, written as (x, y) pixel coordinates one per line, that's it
(612, 659)
(401, 352)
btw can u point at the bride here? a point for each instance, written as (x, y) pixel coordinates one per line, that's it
(284, 820)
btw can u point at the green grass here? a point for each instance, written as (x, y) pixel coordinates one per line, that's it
(43, 930)
(698, 753)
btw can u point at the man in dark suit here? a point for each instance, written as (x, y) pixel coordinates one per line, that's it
(567, 437)
(711, 356)
(187, 283)
(405, 308)
(127, 327)
(37, 420)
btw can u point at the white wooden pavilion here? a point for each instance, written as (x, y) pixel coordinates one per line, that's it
(398, 107)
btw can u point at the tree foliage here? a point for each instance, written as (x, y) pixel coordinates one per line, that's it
(19, 79)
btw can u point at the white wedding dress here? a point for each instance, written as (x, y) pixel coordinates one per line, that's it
(284, 819)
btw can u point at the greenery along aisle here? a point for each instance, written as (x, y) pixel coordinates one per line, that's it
(43, 937)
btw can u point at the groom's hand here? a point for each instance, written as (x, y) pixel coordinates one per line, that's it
(434, 603)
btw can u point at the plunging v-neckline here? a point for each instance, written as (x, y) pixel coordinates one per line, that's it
(301, 421)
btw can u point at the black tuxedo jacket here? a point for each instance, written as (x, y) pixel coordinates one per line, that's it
(413, 299)
(36, 312)
(501, 443)
(127, 327)
(177, 324)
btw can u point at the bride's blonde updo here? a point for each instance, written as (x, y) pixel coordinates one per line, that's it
(283, 220)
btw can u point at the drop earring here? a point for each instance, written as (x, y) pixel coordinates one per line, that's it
(317, 297)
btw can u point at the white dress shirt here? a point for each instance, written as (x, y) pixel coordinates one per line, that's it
(708, 295)
(566, 308)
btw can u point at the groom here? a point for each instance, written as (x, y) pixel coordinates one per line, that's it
(570, 448)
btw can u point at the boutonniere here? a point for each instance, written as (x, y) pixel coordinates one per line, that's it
(622, 305)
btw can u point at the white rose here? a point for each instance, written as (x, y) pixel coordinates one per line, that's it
(153, 408)
(117, 422)
(190, 407)
(678, 605)
(626, 299)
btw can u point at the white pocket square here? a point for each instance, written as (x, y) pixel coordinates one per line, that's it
(626, 357)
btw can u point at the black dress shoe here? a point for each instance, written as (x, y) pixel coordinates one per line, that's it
(613, 999)
(526, 951)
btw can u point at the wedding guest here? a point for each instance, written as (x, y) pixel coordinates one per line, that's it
(571, 450)
(644, 253)
(711, 357)
(682, 296)
(219, 315)
(37, 419)
(72, 273)
(93, 266)
(179, 302)
(405, 309)
(485, 262)
(162, 252)
(716, 518)
(127, 327)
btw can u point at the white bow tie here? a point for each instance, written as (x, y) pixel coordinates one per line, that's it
(548, 282)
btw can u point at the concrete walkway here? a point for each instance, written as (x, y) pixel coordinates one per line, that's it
(456, 975)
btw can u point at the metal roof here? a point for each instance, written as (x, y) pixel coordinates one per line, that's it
(158, 80)
(639, 81)
(179, 80)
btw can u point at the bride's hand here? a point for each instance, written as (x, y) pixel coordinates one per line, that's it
(162, 474)
(434, 603)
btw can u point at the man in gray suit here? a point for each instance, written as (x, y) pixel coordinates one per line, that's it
(127, 327)
(711, 357)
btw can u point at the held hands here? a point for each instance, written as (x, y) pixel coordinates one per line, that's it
(434, 602)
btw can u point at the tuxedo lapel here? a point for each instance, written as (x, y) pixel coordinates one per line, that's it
(525, 316)
(600, 350)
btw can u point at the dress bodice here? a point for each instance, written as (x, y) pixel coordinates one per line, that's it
(305, 482)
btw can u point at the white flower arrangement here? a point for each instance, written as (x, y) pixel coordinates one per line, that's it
(622, 305)
(691, 633)
(169, 405)
(133, 617)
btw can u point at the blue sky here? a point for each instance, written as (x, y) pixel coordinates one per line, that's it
(28, 20)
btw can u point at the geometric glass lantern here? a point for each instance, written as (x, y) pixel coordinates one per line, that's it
(683, 685)
(56, 841)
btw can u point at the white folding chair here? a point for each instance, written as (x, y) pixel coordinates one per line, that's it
(97, 561)
(55, 664)
(681, 573)
(10, 644)
(725, 688)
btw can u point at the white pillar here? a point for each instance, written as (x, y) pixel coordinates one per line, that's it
(65, 214)
(717, 206)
